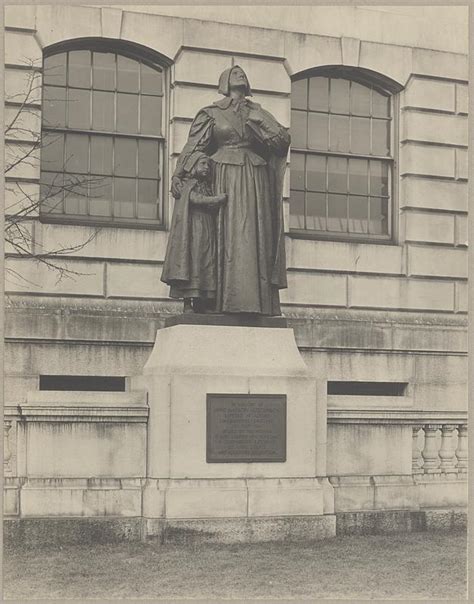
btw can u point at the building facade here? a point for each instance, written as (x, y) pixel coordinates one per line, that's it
(375, 203)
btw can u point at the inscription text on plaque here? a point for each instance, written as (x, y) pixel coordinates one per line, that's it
(246, 428)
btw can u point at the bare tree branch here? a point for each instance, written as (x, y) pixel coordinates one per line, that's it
(24, 144)
(27, 99)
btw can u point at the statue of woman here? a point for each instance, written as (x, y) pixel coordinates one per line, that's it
(248, 148)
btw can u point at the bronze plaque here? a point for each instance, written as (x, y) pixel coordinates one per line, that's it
(246, 428)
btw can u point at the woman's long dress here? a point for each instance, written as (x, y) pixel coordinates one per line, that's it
(250, 249)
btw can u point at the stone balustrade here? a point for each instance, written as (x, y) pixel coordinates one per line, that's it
(10, 418)
(443, 448)
(94, 456)
(439, 438)
(381, 459)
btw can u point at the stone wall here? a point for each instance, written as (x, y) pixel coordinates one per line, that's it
(91, 455)
(360, 311)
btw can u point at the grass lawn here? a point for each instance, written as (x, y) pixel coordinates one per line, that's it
(400, 566)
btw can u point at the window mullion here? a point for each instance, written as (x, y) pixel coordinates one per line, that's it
(369, 194)
(106, 148)
(66, 95)
(377, 163)
(136, 179)
(110, 133)
(347, 194)
(329, 113)
(385, 158)
(89, 170)
(112, 200)
(139, 125)
(305, 189)
(91, 94)
(326, 193)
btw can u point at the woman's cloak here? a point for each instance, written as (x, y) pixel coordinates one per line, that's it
(271, 143)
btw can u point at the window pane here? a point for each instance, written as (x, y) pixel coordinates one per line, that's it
(127, 113)
(378, 223)
(380, 137)
(100, 200)
(151, 80)
(103, 70)
(299, 94)
(380, 104)
(316, 211)
(316, 173)
(299, 129)
(51, 192)
(147, 199)
(318, 131)
(337, 174)
(79, 109)
(297, 172)
(52, 151)
(54, 70)
(101, 155)
(358, 214)
(124, 194)
(378, 178)
(339, 96)
(360, 99)
(150, 119)
(319, 94)
(79, 71)
(337, 212)
(125, 158)
(148, 159)
(75, 194)
(77, 153)
(102, 110)
(339, 133)
(54, 107)
(297, 210)
(358, 176)
(360, 135)
(127, 74)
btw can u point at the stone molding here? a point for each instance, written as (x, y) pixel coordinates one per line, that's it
(394, 417)
(155, 308)
(65, 406)
(257, 41)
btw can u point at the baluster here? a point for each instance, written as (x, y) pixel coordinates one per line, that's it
(430, 450)
(7, 454)
(461, 451)
(416, 459)
(446, 451)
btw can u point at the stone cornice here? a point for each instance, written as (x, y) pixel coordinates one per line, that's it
(395, 417)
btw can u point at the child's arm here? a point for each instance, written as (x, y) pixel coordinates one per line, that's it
(207, 200)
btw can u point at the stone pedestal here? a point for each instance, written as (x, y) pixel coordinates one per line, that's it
(190, 362)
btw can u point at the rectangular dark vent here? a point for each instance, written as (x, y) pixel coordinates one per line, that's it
(367, 388)
(82, 382)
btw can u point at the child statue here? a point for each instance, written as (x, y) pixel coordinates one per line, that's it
(190, 267)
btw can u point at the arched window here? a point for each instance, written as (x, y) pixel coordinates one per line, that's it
(102, 137)
(342, 156)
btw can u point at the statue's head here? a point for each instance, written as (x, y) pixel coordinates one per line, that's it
(198, 165)
(234, 77)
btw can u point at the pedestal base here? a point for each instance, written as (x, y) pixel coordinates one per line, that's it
(242, 530)
(236, 498)
(226, 320)
(191, 362)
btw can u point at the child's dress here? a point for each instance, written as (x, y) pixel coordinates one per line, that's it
(201, 259)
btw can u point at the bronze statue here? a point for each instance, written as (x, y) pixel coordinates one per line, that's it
(248, 148)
